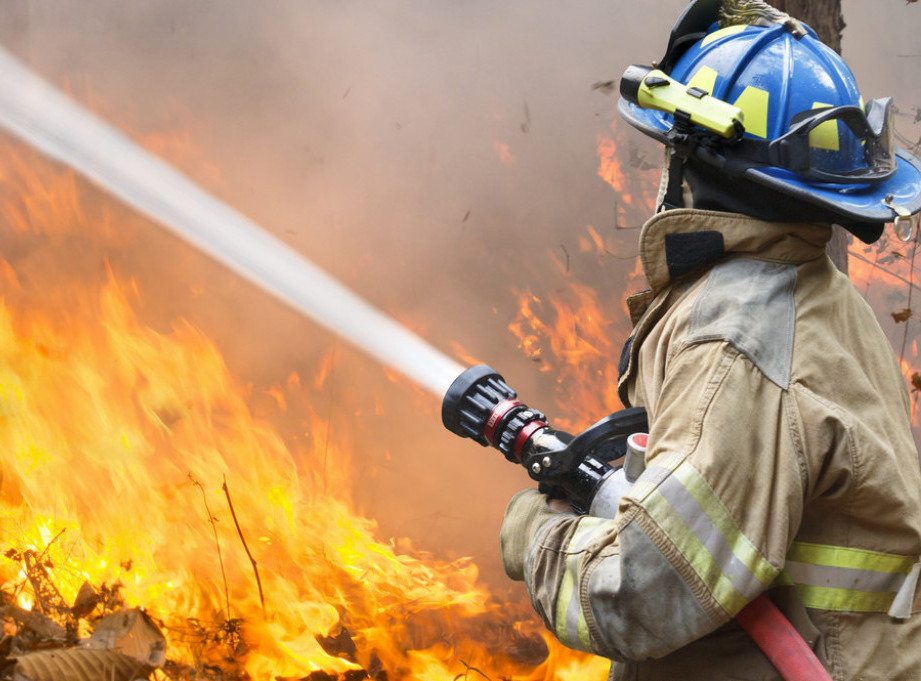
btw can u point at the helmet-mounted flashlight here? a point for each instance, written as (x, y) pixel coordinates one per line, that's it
(653, 89)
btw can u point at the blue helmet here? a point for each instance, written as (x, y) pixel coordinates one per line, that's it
(808, 133)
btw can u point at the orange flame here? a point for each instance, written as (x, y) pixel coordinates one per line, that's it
(884, 273)
(117, 445)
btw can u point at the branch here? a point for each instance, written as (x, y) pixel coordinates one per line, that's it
(220, 558)
(245, 547)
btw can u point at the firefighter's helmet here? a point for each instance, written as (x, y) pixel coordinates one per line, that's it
(808, 133)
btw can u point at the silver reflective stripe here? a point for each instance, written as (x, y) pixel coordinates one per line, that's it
(699, 522)
(848, 579)
(702, 529)
(843, 577)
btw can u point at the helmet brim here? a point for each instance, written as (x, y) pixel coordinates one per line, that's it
(861, 203)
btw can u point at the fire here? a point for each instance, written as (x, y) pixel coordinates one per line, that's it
(505, 154)
(884, 273)
(573, 335)
(125, 449)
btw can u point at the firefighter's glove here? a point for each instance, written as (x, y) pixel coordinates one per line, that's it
(525, 514)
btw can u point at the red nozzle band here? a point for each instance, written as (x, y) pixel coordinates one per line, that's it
(501, 409)
(524, 435)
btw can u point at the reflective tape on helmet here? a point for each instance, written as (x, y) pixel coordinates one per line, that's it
(825, 136)
(569, 620)
(754, 104)
(844, 579)
(690, 513)
(722, 33)
(705, 79)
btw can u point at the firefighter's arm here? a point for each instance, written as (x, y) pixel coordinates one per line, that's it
(702, 532)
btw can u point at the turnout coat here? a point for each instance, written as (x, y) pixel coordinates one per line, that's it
(780, 459)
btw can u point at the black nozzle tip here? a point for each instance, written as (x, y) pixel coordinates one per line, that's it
(631, 80)
(453, 402)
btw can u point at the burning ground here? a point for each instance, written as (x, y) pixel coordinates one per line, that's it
(464, 150)
(137, 473)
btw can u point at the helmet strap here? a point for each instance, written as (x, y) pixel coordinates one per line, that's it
(674, 187)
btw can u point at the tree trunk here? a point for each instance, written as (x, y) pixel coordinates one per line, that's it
(824, 16)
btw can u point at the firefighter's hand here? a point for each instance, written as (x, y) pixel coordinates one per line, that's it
(525, 514)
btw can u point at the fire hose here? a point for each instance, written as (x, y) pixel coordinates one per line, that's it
(479, 405)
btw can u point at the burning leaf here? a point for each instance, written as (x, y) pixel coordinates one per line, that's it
(86, 601)
(79, 665)
(902, 316)
(916, 381)
(130, 632)
(339, 645)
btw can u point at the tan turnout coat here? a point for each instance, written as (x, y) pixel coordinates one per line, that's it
(780, 458)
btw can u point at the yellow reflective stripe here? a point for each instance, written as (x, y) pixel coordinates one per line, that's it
(846, 557)
(705, 79)
(563, 599)
(754, 104)
(825, 135)
(642, 489)
(844, 600)
(569, 622)
(722, 33)
(695, 520)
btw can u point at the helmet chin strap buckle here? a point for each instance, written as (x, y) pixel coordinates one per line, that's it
(903, 220)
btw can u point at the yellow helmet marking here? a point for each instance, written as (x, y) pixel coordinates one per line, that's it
(825, 135)
(722, 33)
(705, 79)
(754, 102)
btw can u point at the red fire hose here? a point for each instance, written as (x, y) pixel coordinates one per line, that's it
(782, 644)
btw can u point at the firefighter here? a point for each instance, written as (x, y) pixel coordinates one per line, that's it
(780, 457)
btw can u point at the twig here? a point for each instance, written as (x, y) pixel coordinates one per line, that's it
(220, 558)
(36, 561)
(245, 547)
(467, 670)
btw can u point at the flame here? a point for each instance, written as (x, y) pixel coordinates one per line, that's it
(573, 335)
(884, 273)
(609, 168)
(634, 178)
(505, 154)
(124, 447)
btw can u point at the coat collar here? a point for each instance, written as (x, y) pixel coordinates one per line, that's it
(678, 241)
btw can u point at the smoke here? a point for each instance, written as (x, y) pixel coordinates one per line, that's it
(431, 155)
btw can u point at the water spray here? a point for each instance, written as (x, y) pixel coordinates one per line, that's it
(46, 119)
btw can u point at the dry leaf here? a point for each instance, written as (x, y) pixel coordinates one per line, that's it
(42, 626)
(79, 665)
(130, 632)
(902, 316)
(86, 601)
